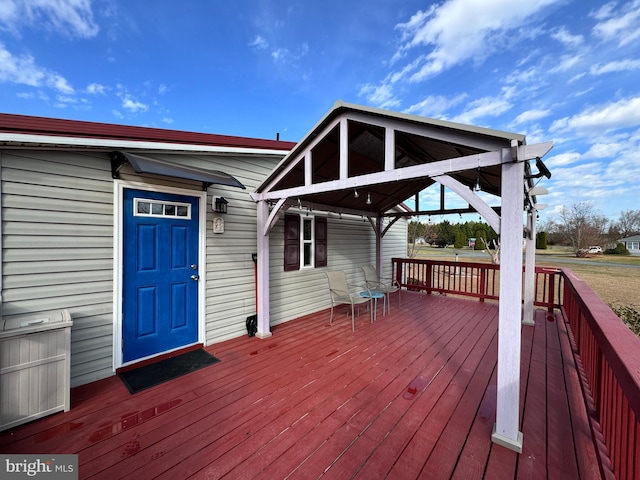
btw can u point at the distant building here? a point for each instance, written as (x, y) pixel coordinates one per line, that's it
(632, 244)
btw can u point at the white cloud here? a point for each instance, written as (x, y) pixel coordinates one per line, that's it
(259, 43)
(133, 105)
(284, 55)
(483, 107)
(24, 71)
(567, 62)
(621, 25)
(381, 96)
(460, 30)
(435, 105)
(562, 159)
(566, 38)
(615, 66)
(604, 150)
(531, 115)
(60, 83)
(8, 12)
(621, 114)
(96, 89)
(280, 54)
(67, 17)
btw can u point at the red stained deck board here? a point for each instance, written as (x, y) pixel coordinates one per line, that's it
(444, 456)
(324, 367)
(394, 444)
(560, 443)
(227, 431)
(456, 375)
(408, 349)
(532, 463)
(585, 453)
(315, 400)
(472, 462)
(374, 394)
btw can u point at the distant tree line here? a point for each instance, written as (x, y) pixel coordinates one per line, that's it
(450, 234)
(578, 226)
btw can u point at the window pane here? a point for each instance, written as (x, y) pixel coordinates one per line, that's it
(170, 210)
(156, 208)
(143, 207)
(182, 211)
(307, 254)
(307, 229)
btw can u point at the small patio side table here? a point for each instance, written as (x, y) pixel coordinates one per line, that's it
(375, 295)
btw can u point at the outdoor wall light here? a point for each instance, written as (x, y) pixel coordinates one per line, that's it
(220, 205)
(543, 171)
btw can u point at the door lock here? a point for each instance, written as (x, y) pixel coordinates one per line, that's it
(194, 266)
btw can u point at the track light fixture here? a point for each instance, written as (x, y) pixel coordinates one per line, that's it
(368, 198)
(476, 187)
(355, 194)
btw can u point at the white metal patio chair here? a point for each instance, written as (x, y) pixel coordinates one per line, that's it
(343, 294)
(376, 284)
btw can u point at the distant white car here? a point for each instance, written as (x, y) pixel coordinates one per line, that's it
(595, 249)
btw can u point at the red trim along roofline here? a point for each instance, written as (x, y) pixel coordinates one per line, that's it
(30, 125)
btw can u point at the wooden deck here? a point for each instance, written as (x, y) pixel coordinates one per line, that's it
(411, 396)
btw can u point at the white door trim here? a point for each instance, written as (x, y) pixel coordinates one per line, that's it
(118, 260)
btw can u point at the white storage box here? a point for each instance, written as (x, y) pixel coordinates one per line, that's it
(35, 366)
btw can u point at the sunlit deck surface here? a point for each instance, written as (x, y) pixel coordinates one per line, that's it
(316, 400)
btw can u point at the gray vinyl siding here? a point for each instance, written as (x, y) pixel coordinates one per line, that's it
(395, 245)
(57, 238)
(57, 248)
(350, 245)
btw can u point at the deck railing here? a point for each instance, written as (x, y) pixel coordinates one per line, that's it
(609, 354)
(478, 280)
(607, 351)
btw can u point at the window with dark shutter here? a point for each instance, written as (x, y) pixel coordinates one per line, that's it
(321, 242)
(291, 242)
(305, 242)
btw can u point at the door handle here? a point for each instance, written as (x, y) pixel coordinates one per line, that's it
(195, 278)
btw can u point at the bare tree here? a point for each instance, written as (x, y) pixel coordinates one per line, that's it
(582, 226)
(494, 252)
(416, 233)
(628, 224)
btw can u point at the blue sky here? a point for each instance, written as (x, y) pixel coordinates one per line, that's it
(560, 70)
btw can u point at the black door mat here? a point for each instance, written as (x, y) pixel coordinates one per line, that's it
(151, 375)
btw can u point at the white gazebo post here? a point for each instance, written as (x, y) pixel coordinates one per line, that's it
(505, 431)
(529, 269)
(262, 277)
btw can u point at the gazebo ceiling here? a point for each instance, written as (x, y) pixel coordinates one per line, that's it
(312, 173)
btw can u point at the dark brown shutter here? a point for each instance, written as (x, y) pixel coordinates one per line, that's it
(291, 242)
(321, 242)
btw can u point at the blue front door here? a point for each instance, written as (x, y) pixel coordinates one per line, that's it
(160, 273)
